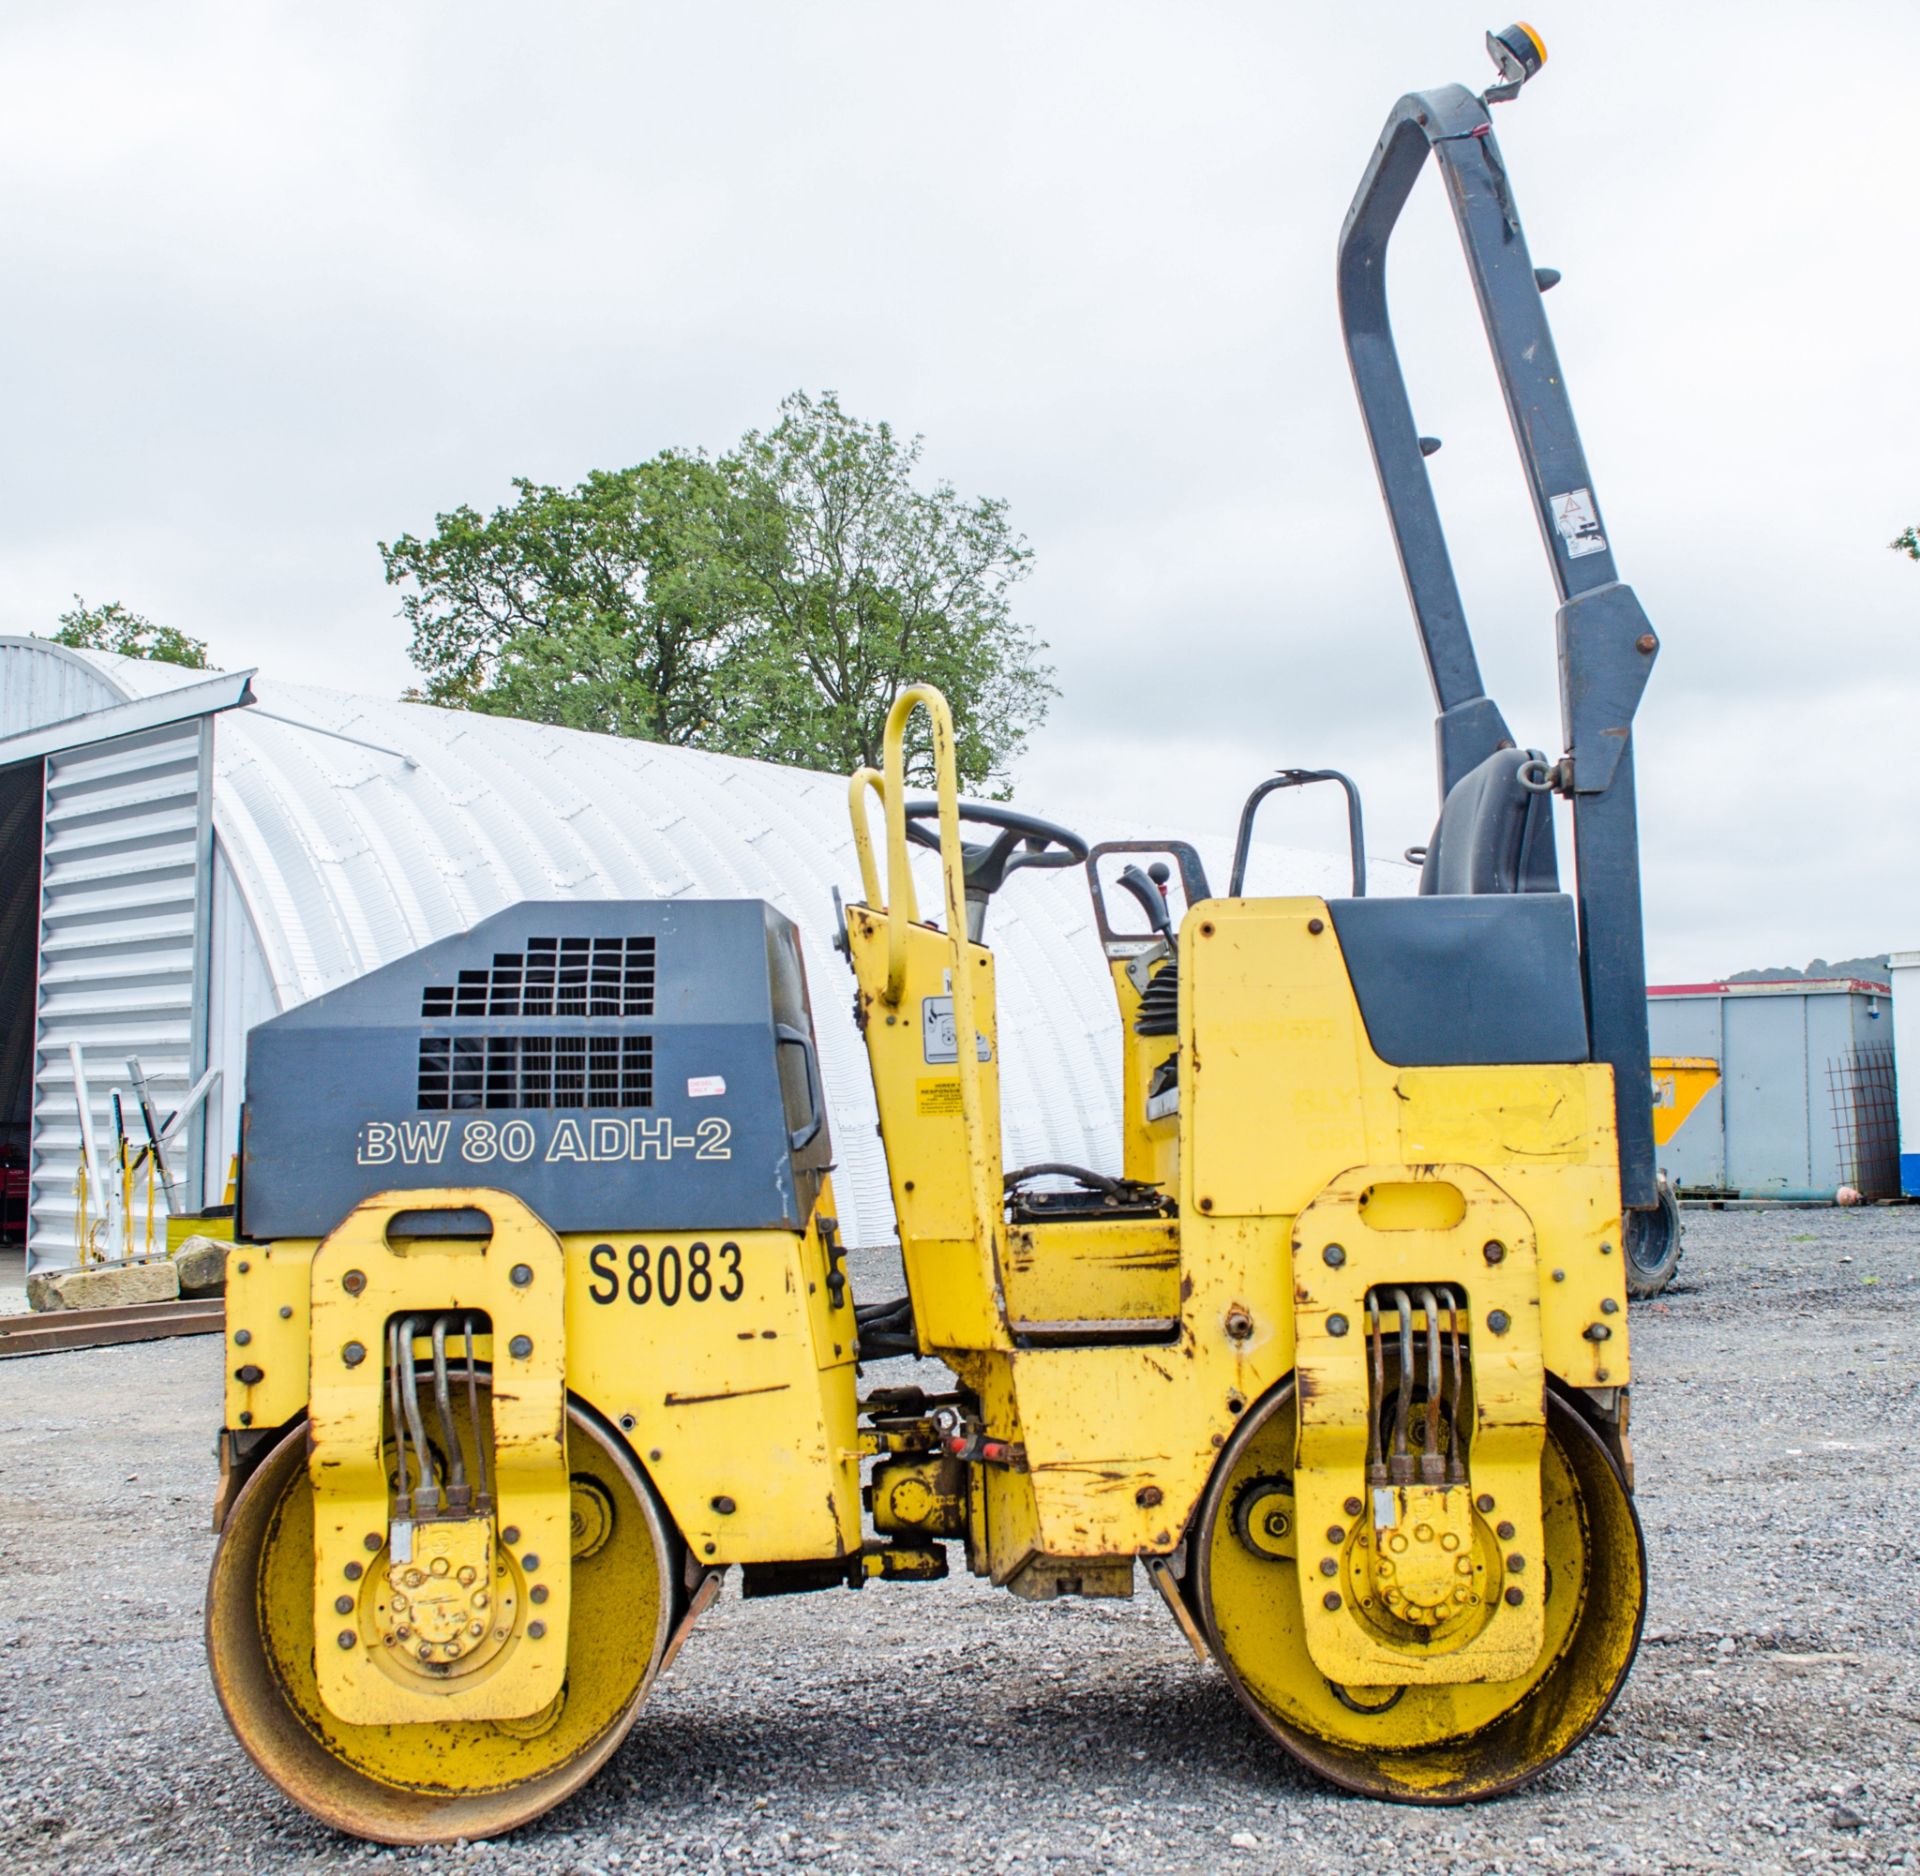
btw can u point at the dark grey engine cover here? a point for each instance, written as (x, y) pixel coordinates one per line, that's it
(617, 1064)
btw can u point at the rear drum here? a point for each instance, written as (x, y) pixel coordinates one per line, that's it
(1427, 1744)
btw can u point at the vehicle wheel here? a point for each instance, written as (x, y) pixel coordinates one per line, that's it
(1652, 1245)
(1423, 1743)
(433, 1781)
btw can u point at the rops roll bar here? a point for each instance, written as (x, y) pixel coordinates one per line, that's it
(1605, 644)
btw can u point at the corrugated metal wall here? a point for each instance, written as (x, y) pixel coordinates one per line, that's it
(123, 926)
(47, 683)
(19, 927)
(240, 993)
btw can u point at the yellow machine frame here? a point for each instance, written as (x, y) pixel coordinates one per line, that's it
(1113, 1441)
(1111, 1369)
(747, 1402)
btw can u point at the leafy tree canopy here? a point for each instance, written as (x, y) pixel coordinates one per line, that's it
(1908, 543)
(113, 627)
(769, 602)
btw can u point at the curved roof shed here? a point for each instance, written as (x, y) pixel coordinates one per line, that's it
(217, 850)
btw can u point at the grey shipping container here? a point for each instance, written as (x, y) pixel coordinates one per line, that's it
(1805, 1102)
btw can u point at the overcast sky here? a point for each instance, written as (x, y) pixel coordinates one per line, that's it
(285, 281)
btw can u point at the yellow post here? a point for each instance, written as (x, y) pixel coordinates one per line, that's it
(900, 909)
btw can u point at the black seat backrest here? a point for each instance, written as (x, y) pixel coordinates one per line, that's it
(1494, 833)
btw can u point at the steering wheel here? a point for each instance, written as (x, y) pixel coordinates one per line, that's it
(1022, 840)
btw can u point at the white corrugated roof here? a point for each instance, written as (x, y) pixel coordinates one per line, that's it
(359, 829)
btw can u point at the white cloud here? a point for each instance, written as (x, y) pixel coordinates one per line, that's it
(286, 281)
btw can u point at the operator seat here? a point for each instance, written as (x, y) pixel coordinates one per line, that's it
(1483, 965)
(1494, 834)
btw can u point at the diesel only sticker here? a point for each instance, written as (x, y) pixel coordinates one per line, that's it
(549, 1140)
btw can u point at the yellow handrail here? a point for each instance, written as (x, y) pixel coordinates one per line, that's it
(864, 779)
(981, 1166)
(901, 907)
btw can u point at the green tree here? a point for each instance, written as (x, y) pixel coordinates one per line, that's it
(1908, 543)
(861, 583)
(113, 627)
(769, 602)
(602, 607)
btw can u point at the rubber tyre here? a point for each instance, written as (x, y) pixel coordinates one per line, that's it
(1652, 1243)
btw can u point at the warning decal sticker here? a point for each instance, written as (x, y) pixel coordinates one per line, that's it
(1576, 522)
(939, 1038)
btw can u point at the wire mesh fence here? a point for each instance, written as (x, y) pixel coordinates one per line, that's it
(1866, 1125)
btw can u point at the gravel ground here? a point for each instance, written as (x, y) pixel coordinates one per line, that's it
(1772, 1721)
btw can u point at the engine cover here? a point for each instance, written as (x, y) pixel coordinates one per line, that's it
(613, 1063)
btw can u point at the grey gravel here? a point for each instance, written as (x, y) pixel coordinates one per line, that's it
(1772, 1721)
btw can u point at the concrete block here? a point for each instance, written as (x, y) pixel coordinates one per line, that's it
(201, 1265)
(103, 1286)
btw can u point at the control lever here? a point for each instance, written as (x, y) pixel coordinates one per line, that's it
(1149, 889)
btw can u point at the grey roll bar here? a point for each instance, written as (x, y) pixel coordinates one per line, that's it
(1605, 645)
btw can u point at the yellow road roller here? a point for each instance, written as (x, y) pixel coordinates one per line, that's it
(539, 1319)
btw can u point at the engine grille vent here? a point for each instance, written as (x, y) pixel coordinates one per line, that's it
(553, 977)
(535, 1071)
